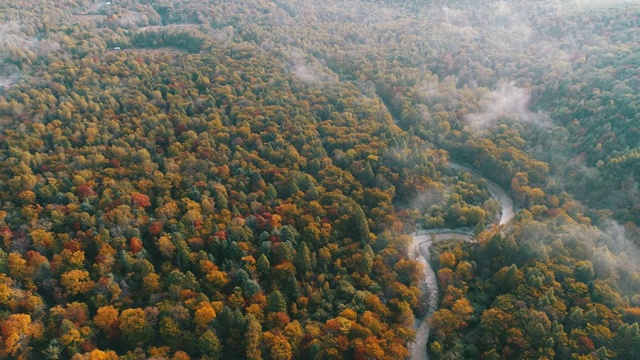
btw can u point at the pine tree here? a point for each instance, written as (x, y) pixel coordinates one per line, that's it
(221, 201)
(270, 194)
(303, 259)
(276, 302)
(292, 289)
(368, 178)
(312, 193)
(288, 234)
(262, 265)
(366, 262)
(361, 227)
(293, 187)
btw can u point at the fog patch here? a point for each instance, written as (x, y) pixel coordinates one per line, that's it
(618, 255)
(619, 241)
(429, 90)
(577, 167)
(608, 247)
(549, 52)
(577, 6)
(18, 48)
(506, 103)
(9, 75)
(223, 36)
(15, 45)
(433, 195)
(309, 70)
(454, 16)
(132, 19)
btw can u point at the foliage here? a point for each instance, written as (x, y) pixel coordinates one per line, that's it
(235, 179)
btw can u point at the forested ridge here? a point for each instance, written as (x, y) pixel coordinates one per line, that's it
(239, 179)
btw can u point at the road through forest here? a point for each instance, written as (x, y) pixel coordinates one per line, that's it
(420, 250)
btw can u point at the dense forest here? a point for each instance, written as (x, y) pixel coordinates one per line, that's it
(241, 179)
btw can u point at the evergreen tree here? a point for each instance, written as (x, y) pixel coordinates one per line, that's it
(292, 290)
(276, 302)
(270, 194)
(262, 265)
(303, 259)
(360, 225)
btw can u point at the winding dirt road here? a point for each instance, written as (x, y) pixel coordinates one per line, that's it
(421, 252)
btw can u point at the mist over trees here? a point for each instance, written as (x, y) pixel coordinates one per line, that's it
(237, 179)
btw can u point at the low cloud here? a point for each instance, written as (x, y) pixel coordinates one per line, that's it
(131, 19)
(310, 71)
(578, 6)
(430, 90)
(14, 43)
(9, 75)
(607, 246)
(433, 195)
(506, 103)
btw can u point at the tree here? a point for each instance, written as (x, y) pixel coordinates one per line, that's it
(508, 278)
(253, 338)
(134, 327)
(17, 265)
(106, 319)
(16, 333)
(209, 345)
(204, 314)
(262, 265)
(140, 200)
(368, 349)
(292, 289)
(173, 334)
(279, 347)
(584, 271)
(360, 226)
(76, 282)
(303, 259)
(271, 194)
(366, 262)
(42, 239)
(294, 333)
(495, 323)
(70, 336)
(276, 302)
(627, 341)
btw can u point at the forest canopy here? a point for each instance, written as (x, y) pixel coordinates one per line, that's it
(241, 179)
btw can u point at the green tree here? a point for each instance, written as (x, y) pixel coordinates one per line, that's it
(360, 225)
(303, 260)
(276, 302)
(262, 265)
(209, 346)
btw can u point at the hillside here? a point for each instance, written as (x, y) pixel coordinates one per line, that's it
(241, 179)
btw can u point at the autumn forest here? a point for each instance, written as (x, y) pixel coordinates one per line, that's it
(292, 179)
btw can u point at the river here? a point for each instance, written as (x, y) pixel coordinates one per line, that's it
(422, 244)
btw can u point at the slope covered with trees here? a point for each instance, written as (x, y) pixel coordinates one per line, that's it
(237, 179)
